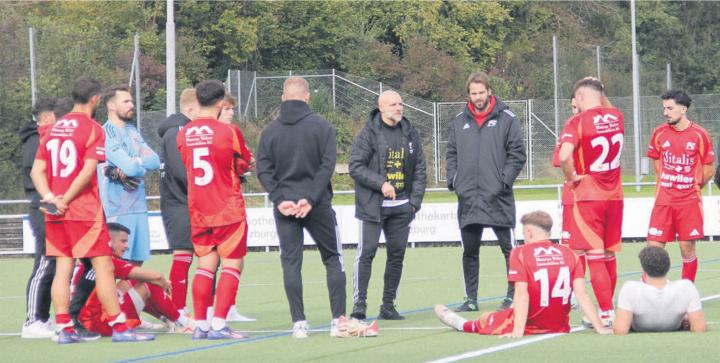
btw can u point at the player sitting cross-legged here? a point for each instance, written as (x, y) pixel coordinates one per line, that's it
(139, 289)
(545, 274)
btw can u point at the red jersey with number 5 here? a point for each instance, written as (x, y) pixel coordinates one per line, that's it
(598, 135)
(548, 269)
(65, 147)
(214, 155)
(682, 155)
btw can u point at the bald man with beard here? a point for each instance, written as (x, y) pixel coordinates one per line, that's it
(295, 161)
(388, 166)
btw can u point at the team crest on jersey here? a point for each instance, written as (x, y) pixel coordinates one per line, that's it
(666, 144)
(690, 146)
(492, 123)
(199, 130)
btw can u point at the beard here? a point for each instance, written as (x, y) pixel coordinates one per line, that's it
(392, 116)
(673, 122)
(128, 116)
(481, 106)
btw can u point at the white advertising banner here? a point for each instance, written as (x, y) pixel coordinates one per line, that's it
(436, 222)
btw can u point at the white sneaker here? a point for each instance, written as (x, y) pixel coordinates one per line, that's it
(234, 317)
(146, 325)
(36, 330)
(300, 329)
(607, 318)
(448, 317)
(335, 326)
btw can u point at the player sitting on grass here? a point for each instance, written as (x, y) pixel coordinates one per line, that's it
(139, 289)
(658, 304)
(545, 274)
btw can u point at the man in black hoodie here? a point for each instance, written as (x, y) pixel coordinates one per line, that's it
(388, 166)
(45, 112)
(485, 154)
(296, 159)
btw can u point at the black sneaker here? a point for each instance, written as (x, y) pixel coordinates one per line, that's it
(359, 310)
(506, 304)
(388, 312)
(468, 305)
(84, 334)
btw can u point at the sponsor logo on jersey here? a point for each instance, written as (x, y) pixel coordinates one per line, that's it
(655, 232)
(542, 251)
(512, 272)
(694, 233)
(670, 158)
(67, 123)
(677, 178)
(666, 144)
(606, 119)
(690, 146)
(199, 130)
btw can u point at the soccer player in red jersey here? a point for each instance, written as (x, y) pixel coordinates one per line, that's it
(64, 174)
(684, 163)
(591, 146)
(215, 156)
(140, 288)
(545, 274)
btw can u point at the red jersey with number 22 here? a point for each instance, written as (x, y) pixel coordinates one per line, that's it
(549, 270)
(682, 155)
(598, 135)
(65, 147)
(214, 155)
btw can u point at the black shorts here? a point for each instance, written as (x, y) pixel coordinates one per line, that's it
(176, 220)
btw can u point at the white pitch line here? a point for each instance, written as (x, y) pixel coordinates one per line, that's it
(539, 338)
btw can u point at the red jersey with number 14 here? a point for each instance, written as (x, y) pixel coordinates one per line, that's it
(214, 155)
(65, 147)
(598, 135)
(682, 155)
(549, 270)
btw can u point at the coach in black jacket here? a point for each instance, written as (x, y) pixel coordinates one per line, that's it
(485, 154)
(388, 166)
(295, 162)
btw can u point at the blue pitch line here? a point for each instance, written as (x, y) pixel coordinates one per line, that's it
(276, 335)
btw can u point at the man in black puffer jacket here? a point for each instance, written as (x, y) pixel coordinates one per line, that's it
(388, 166)
(485, 154)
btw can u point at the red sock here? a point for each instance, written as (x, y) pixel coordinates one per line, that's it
(179, 278)
(689, 268)
(600, 280)
(469, 326)
(63, 320)
(581, 261)
(117, 322)
(611, 266)
(161, 302)
(128, 307)
(201, 290)
(226, 291)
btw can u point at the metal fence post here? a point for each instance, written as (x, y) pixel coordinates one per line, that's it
(33, 85)
(138, 100)
(436, 142)
(255, 91)
(333, 88)
(239, 90)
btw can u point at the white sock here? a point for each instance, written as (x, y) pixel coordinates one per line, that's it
(459, 324)
(217, 323)
(203, 325)
(183, 320)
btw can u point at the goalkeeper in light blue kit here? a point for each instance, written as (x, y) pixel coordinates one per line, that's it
(121, 178)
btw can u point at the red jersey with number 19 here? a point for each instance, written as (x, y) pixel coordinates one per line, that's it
(597, 135)
(65, 147)
(549, 270)
(682, 155)
(214, 155)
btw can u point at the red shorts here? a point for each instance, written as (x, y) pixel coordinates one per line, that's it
(596, 224)
(230, 241)
(93, 317)
(684, 221)
(495, 323)
(569, 227)
(77, 239)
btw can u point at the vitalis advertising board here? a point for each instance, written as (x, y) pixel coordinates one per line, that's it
(436, 222)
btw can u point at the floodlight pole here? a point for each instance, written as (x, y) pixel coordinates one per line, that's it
(170, 59)
(636, 97)
(555, 83)
(33, 85)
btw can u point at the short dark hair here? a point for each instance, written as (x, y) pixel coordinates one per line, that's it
(112, 92)
(230, 101)
(63, 106)
(117, 227)
(210, 92)
(591, 83)
(84, 89)
(655, 261)
(539, 219)
(678, 95)
(477, 77)
(43, 105)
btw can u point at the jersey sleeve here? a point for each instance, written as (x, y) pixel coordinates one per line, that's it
(516, 271)
(708, 154)
(122, 268)
(625, 297)
(243, 156)
(692, 292)
(96, 145)
(653, 149)
(570, 132)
